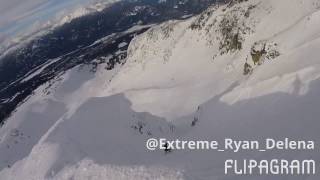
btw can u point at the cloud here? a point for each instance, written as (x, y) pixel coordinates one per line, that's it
(2, 37)
(13, 11)
(19, 16)
(22, 19)
(16, 14)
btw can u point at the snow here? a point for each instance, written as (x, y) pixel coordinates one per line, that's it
(201, 77)
(122, 44)
(38, 70)
(88, 126)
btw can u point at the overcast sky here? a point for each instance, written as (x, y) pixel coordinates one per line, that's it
(15, 15)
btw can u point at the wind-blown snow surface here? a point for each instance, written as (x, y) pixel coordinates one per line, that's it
(86, 126)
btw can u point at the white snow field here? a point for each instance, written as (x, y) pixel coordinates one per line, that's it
(94, 125)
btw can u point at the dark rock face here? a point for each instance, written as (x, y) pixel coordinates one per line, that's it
(73, 44)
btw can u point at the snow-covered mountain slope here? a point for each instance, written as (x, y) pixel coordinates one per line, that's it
(248, 69)
(86, 39)
(202, 57)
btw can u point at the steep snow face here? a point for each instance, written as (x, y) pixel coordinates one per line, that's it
(202, 57)
(246, 70)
